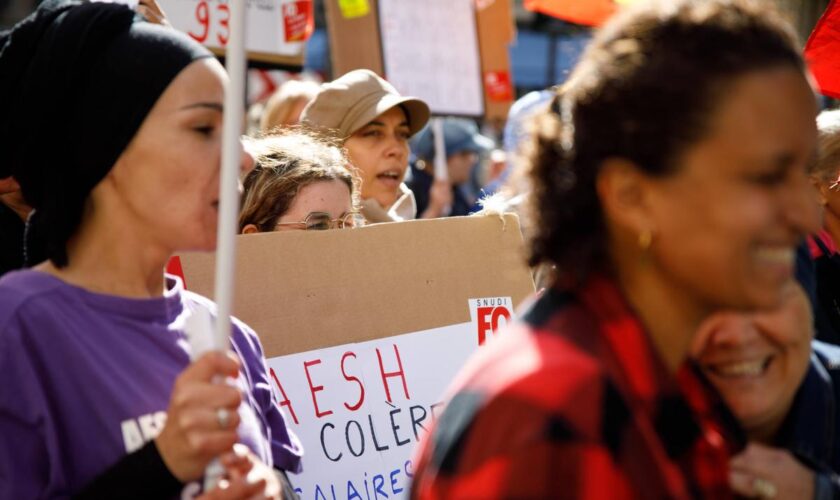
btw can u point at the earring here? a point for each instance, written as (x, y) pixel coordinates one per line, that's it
(645, 239)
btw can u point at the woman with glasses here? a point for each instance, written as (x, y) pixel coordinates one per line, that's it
(823, 246)
(302, 181)
(374, 123)
(824, 175)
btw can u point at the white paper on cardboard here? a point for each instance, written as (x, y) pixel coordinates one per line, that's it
(206, 21)
(430, 50)
(359, 409)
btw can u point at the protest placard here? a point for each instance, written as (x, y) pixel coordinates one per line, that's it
(277, 29)
(365, 328)
(430, 50)
(451, 53)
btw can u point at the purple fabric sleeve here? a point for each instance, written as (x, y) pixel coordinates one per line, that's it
(87, 379)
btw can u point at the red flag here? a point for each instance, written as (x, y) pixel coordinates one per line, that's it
(823, 51)
(174, 267)
(588, 12)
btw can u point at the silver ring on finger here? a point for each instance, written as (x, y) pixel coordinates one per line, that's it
(223, 417)
(763, 488)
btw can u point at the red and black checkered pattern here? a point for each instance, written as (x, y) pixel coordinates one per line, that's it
(573, 402)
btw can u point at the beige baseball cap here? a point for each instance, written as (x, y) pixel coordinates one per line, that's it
(352, 101)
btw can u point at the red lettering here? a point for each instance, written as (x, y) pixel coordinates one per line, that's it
(499, 312)
(314, 388)
(224, 11)
(202, 15)
(351, 378)
(286, 401)
(399, 373)
(483, 324)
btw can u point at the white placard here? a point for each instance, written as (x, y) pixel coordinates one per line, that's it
(359, 409)
(430, 50)
(206, 21)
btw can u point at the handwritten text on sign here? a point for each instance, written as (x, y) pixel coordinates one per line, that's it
(359, 409)
(279, 27)
(430, 50)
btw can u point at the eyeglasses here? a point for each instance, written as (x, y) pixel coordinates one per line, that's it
(320, 221)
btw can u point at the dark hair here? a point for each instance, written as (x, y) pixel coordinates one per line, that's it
(644, 91)
(286, 161)
(83, 62)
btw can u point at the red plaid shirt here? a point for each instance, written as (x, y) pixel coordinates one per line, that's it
(574, 403)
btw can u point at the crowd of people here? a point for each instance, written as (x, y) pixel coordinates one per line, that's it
(679, 198)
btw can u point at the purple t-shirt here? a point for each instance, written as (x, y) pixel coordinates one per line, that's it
(86, 378)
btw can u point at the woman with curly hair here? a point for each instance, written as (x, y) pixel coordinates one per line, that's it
(669, 181)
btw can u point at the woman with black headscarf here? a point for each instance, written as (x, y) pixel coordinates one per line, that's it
(100, 395)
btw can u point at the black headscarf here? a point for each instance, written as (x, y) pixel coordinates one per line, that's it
(76, 82)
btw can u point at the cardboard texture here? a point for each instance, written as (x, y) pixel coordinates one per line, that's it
(355, 42)
(305, 290)
(496, 31)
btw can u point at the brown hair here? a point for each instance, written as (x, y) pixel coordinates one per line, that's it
(644, 90)
(827, 166)
(287, 161)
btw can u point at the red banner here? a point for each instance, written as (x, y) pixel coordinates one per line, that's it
(823, 51)
(587, 12)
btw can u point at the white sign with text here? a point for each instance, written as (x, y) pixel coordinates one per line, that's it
(430, 51)
(359, 409)
(275, 27)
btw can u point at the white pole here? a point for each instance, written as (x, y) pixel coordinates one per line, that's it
(229, 186)
(441, 172)
(229, 193)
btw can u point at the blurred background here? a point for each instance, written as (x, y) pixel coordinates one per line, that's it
(545, 49)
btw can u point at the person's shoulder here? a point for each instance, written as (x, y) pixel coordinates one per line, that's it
(241, 334)
(27, 299)
(531, 389)
(531, 355)
(531, 376)
(552, 337)
(18, 288)
(27, 282)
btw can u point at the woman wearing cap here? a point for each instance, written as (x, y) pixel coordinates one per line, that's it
(669, 182)
(101, 399)
(300, 181)
(464, 144)
(375, 123)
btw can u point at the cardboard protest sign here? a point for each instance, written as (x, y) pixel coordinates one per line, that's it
(430, 50)
(277, 29)
(496, 32)
(451, 53)
(365, 328)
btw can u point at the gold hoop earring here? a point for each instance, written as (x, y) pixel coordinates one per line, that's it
(645, 240)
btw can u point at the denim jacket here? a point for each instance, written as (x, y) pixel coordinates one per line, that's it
(811, 428)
